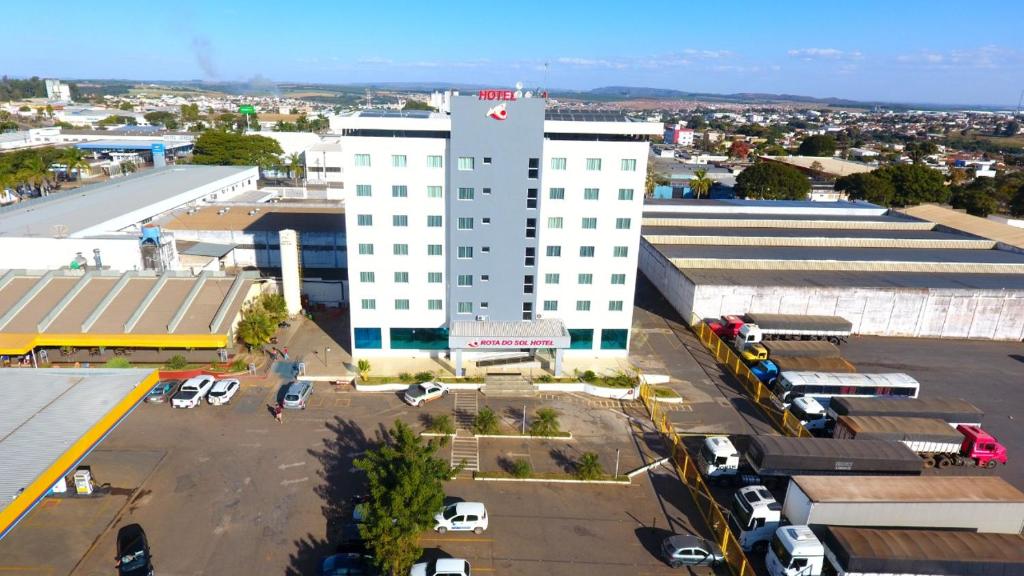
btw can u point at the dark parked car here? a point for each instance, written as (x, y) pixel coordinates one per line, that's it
(163, 390)
(348, 565)
(684, 550)
(133, 558)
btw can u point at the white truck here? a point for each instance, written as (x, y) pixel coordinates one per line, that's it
(979, 503)
(847, 551)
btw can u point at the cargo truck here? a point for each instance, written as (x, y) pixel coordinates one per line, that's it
(934, 440)
(845, 551)
(753, 345)
(978, 503)
(953, 411)
(835, 329)
(771, 459)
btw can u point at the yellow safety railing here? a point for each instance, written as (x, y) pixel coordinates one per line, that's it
(782, 419)
(735, 559)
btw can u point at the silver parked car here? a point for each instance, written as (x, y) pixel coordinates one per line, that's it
(684, 550)
(297, 394)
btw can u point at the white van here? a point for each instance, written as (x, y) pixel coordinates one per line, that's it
(461, 516)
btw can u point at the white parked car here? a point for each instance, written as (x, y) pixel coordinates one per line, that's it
(192, 391)
(461, 517)
(441, 567)
(222, 391)
(418, 394)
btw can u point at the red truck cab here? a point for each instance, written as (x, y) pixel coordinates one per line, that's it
(727, 327)
(981, 446)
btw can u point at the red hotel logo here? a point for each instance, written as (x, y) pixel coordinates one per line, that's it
(537, 343)
(498, 112)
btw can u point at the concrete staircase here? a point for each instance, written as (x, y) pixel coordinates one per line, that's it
(466, 409)
(509, 386)
(466, 449)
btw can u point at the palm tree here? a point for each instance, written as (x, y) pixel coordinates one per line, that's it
(295, 166)
(255, 328)
(72, 159)
(36, 174)
(545, 423)
(700, 183)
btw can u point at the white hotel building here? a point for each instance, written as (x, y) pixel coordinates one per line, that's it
(501, 227)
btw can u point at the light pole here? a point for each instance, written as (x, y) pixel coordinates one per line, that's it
(326, 351)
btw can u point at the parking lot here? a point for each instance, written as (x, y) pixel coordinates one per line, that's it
(227, 490)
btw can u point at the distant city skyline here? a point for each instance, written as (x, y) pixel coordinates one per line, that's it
(911, 51)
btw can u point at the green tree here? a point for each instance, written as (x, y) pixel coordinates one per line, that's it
(545, 422)
(295, 166)
(190, 112)
(255, 328)
(867, 186)
(520, 468)
(441, 424)
(222, 148)
(127, 106)
(918, 151)
(275, 306)
(117, 120)
(405, 486)
(411, 104)
(739, 149)
(1017, 204)
(700, 183)
(177, 362)
(165, 119)
(653, 180)
(117, 362)
(486, 422)
(772, 181)
(915, 184)
(73, 160)
(975, 202)
(697, 122)
(819, 145)
(588, 467)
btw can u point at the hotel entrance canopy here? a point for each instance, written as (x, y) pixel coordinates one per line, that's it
(488, 335)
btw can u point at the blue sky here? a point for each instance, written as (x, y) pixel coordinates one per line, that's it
(893, 50)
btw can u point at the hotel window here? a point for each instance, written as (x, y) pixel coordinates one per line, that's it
(433, 304)
(622, 224)
(620, 252)
(465, 193)
(527, 310)
(558, 163)
(586, 251)
(485, 249)
(531, 198)
(485, 277)
(434, 221)
(465, 163)
(487, 160)
(368, 304)
(615, 305)
(618, 278)
(399, 220)
(465, 307)
(531, 227)
(402, 304)
(591, 193)
(465, 223)
(585, 279)
(528, 284)
(583, 305)
(366, 277)
(593, 164)
(434, 191)
(555, 222)
(533, 170)
(486, 220)
(465, 252)
(434, 277)
(486, 191)
(401, 277)
(590, 223)
(366, 249)
(363, 190)
(551, 278)
(625, 193)
(483, 305)
(433, 249)
(364, 219)
(554, 251)
(398, 160)
(362, 160)
(551, 305)
(400, 249)
(628, 165)
(556, 193)
(465, 280)
(399, 191)
(435, 162)
(531, 256)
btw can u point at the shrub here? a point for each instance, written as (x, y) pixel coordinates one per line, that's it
(441, 424)
(118, 362)
(363, 365)
(589, 377)
(405, 378)
(545, 379)
(545, 422)
(588, 467)
(423, 377)
(239, 365)
(486, 422)
(177, 362)
(521, 468)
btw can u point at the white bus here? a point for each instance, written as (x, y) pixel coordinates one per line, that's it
(823, 386)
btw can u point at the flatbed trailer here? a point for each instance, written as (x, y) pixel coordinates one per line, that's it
(953, 411)
(785, 456)
(835, 329)
(778, 349)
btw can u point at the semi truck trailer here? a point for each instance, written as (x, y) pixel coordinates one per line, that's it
(978, 503)
(934, 440)
(953, 411)
(835, 329)
(846, 551)
(770, 459)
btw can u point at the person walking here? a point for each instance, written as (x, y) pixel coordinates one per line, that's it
(279, 413)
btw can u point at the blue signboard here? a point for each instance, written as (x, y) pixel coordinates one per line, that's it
(159, 154)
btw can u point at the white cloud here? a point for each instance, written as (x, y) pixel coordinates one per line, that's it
(985, 57)
(825, 54)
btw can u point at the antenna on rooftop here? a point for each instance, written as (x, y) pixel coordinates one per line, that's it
(60, 230)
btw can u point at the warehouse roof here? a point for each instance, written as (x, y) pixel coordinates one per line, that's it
(52, 419)
(853, 279)
(840, 254)
(786, 232)
(134, 309)
(205, 249)
(129, 145)
(273, 217)
(983, 227)
(830, 166)
(908, 489)
(92, 205)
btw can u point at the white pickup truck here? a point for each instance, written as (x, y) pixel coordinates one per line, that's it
(192, 391)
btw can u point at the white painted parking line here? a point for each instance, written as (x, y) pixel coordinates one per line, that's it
(293, 465)
(296, 481)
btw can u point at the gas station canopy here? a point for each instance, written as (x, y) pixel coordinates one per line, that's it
(53, 418)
